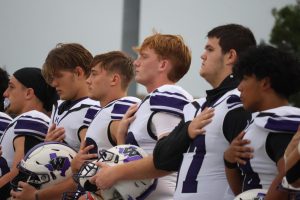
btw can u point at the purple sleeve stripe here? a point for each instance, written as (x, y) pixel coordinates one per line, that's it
(119, 109)
(170, 93)
(282, 125)
(91, 113)
(127, 101)
(4, 119)
(30, 133)
(233, 99)
(34, 118)
(116, 118)
(31, 126)
(3, 125)
(167, 101)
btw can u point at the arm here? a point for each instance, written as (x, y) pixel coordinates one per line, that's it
(19, 154)
(82, 134)
(237, 152)
(53, 192)
(168, 158)
(140, 169)
(291, 154)
(273, 193)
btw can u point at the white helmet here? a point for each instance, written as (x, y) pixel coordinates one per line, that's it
(45, 164)
(254, 194)
(122, 189)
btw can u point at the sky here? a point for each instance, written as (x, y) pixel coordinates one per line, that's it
(31, 28)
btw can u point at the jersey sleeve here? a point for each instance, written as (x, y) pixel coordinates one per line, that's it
(90, 115)
(170, 102)
(165, 156)
(4, 122)
(236, 119)
(121, 107)
(31, 126)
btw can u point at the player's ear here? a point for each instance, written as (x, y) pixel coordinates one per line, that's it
(115, 79)
(78, 71)
(230, 57)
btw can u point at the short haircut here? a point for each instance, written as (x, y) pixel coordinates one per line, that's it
(66, 57)
(282, 68)
(233, 36)
(116, 62)
(3, 86)
(173, 48)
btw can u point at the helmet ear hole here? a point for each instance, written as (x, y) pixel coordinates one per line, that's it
(45, 164)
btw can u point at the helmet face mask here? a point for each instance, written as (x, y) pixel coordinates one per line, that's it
(45, 164)
(123, 189)
(34, 179)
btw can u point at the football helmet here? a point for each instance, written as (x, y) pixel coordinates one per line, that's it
(254, 194)
(123, 189)
(45, 164)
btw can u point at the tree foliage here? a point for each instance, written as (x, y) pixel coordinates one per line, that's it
(286, 33)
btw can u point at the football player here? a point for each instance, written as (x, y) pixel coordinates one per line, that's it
(268, 78)
(163, 61)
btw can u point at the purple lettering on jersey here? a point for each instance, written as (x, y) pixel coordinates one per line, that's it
(190, 183)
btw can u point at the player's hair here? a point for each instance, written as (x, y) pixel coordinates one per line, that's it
(3, 85)
(233, 36)
(282, 68)
(116, 62)
(66, 57)
(173, 48)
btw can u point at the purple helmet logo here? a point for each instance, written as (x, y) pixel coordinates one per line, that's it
(58, 163)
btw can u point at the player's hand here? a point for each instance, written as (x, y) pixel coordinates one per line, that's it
(55, 134)
(239, 151)
(197, 125)
(106, 177)
(124, 124)
(81, 157)
(27, 192)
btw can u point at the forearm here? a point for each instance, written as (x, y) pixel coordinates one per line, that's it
(56, 191)
(234, 179)
(140, 169)
(273, 192)
(291, 159)
(8, 177)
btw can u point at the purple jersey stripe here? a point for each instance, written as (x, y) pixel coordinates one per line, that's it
(169, 93)
(25, 126)
(166, 103)
(282, 125)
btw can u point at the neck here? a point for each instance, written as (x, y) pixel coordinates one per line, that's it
(114, 96)
(273, 101)
(151, 87)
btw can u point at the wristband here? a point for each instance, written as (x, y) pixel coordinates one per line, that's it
(230, 165)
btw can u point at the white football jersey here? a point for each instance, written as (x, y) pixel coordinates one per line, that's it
(71, 116)
(202, 167)
(98, 132)
(169, 99)
(261, 170)
(32, 123)
(5, 120)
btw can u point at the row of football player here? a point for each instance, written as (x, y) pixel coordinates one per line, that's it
(177, 132)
